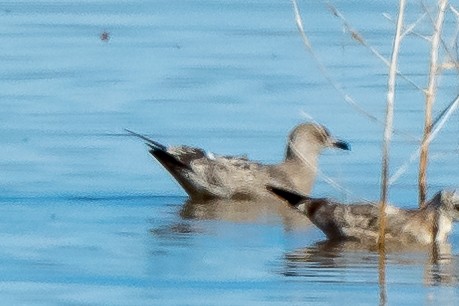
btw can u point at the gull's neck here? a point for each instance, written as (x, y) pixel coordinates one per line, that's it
(301, 168)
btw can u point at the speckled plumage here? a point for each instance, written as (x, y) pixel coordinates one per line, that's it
(360, 220)
(205, 175)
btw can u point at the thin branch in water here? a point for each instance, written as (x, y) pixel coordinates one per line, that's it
(323, 69)
(388, 127)
(410, 29)
(455, 11)
(430, 99)
(455, 38)
(347, 98)
(438, 124)
(443, 43)
(333, 183)
(324, 177)
(359, 38)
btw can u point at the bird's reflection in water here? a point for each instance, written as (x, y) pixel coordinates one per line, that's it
(175, 229)
(175, 234)
(269, 211)
(266, 211)
(335, 261)
(441, 267)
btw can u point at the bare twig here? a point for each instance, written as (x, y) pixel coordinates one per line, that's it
(347, 98)
(410, 29)
(441, 40)
(430, 99)
(455, 38)
(437, 125)
(360, 39)
(454, 10)
(326, 178)
(389, 121)
(330, 181)
(323, 69)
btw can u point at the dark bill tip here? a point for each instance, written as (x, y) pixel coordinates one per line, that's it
(343, 145)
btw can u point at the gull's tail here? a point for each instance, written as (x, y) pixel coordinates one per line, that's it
(159, 151)
(150, 142)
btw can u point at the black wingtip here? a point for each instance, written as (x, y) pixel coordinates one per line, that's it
(168, 160)
(150, 142)
(291, 197)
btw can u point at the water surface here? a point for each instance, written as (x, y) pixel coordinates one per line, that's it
(88, 218)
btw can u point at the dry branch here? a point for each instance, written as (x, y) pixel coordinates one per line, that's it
(434, 22)
(323, 69)
(355, 35)
(437, 125)
(347, 98)
(430, 99)
(389, 120)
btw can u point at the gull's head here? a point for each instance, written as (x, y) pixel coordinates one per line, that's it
(313, 138)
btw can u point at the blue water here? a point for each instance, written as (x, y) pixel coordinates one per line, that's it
(88, 218)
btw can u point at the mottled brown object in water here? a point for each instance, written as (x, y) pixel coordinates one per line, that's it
(359, 221)
(204, 175)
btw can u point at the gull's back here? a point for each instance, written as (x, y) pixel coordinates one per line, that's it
(340, 221)
(204, 175)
